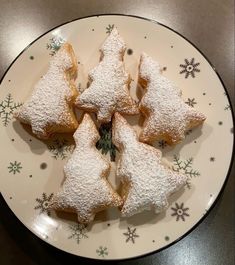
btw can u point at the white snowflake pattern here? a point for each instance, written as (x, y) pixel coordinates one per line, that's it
(131, 235)
(7, 107)
(55, 44)
(80, 88)
(180, 211)
(60, 148)
(43, 203)
(14, 167)
(185, 167)
(109, 28)
(227, 107)
(162, 144)
(191, 102)
(102, 251)
(78, 232)
(188, 132)
(189, 68)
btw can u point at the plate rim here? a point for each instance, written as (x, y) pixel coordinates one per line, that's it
(233, 147)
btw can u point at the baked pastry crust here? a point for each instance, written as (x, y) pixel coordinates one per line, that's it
(85, 189)
(49, 109)
(146, 181)
(167, 116)
(109, 83)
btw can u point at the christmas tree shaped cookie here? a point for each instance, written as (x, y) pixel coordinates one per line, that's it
(146, 181)
(109, 83)
(49, 108)
(167, 115)
(86, 189)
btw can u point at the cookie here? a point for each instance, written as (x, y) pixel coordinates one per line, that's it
(146, 181)
(85, 189)
(167, 116)
(109, 83)
(49, 109)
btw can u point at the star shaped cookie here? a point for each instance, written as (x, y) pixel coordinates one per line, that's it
(109, 83)
(167, 115)
(146, 181)
(49, 108)
(85, 189)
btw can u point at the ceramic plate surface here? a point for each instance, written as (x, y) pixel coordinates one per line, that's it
(32, 170)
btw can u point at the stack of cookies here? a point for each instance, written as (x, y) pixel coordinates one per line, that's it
(146, 181)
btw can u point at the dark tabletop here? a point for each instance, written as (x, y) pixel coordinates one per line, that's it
(209, 24)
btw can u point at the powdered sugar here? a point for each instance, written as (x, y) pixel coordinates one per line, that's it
(109, 90)
(48, 104)
(147, 182)
(163, 106)
(85, 189)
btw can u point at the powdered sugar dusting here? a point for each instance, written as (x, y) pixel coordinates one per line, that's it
(166, 112)
(85, 189)
(109, 89)
(147, 183)
(48, 104)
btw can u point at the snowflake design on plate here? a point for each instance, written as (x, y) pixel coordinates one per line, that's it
(105, 142)
(179, 211)
(109, 28)
(188, 132)
(7, 107)
(162, 144)
(136, 101)
(60, 148)
(80, 88)
(189, 68)
(55, 44)
(102, 251)
(43, 203)
(191, 102)
(130, 234)
(185, 167)
(228, 107)
(78, 232)
(14, 167)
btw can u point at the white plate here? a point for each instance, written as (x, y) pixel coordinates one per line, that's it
(32, 170)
